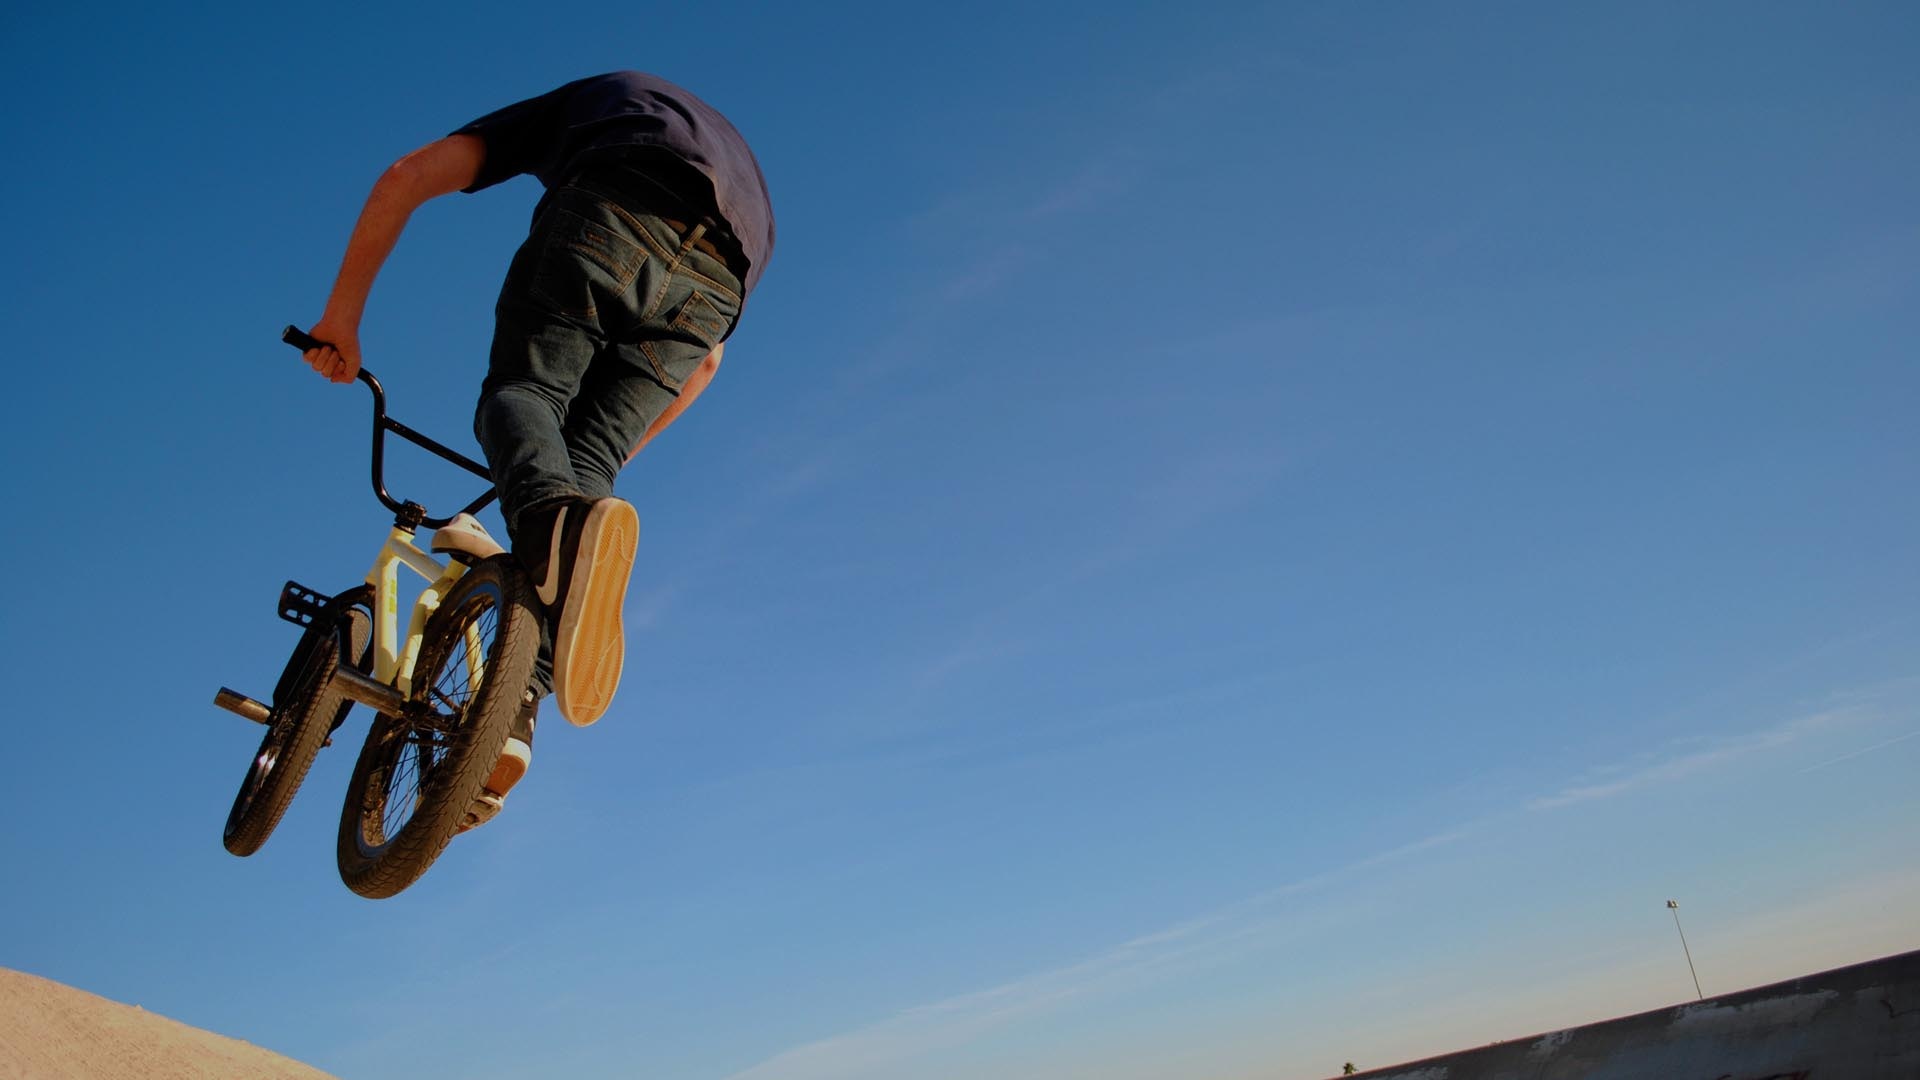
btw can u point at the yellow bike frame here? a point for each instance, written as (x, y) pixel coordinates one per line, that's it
(394, 656)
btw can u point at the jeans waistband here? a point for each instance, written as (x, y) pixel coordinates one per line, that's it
(665, 187)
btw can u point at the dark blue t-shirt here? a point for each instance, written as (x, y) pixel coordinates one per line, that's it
(554, 135)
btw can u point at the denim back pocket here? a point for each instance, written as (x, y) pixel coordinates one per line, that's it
(584, 263)
(700, 323)
(701, 320)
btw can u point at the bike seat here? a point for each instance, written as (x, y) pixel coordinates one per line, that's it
(464, 535)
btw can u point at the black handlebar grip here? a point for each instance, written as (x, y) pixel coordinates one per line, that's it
(300, 339)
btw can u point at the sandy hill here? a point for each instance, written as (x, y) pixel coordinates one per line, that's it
(54, 1032)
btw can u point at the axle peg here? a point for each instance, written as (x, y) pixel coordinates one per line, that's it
(242, 706)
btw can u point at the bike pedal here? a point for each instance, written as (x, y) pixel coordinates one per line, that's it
(300, 605)
(242, 706)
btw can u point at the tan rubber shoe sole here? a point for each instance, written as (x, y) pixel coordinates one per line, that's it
(590, 645)
(506, 773)
(512, 765)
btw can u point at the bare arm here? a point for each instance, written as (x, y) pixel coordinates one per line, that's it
(436, 169)
(689, 390)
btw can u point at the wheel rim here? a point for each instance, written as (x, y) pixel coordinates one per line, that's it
(420, 742)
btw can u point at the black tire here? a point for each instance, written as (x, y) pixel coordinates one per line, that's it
(419, 773)
(305, 710)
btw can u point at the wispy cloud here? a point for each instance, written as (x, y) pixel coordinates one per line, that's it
(890, 1046)
(978, 649)
(1862, 751)
(883, 1048)
(1099, 179)
(1186, 493)
(986, 272)
(1688, 757)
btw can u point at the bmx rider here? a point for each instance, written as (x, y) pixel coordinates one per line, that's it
(654, 228)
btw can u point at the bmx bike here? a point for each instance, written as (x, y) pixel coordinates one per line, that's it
(444, 694)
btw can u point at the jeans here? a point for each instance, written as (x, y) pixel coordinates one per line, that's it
(605, 313)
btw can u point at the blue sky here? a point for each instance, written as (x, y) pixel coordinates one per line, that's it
(1231, 538)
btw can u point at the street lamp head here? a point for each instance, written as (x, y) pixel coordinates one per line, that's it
(1675, 904)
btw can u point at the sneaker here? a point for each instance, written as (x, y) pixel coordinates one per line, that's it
(581, 577)
(514, 759)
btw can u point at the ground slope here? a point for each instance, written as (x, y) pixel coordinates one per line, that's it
(54, 1032)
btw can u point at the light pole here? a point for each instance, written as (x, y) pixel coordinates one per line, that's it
(1674, 906)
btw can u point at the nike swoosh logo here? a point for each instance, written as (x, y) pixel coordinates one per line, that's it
(549, 590)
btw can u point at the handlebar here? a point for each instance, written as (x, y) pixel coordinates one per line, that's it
(408, 513)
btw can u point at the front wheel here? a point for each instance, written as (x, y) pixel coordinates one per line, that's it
(420, 771)
(305, 710)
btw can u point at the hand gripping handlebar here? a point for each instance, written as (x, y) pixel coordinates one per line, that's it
(410, 514)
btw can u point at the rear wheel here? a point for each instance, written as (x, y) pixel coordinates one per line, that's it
(305, 710)
(419, 772)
